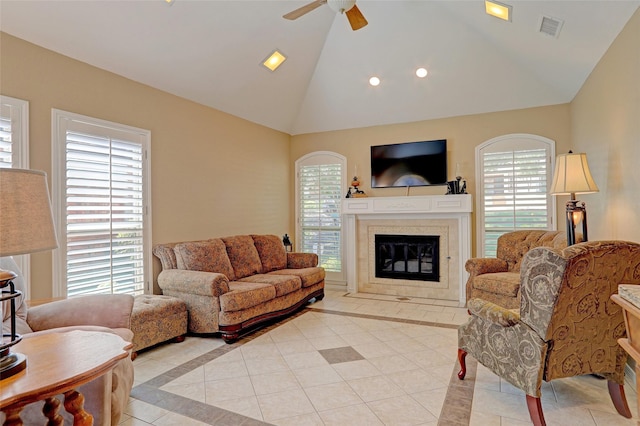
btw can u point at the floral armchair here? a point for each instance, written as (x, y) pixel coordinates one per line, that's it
(566, 324)
(498, 279)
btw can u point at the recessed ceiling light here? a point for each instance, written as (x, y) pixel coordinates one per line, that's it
(374, 81)
(169, 2)
(499, 10)
(274, 60)
(421, 72)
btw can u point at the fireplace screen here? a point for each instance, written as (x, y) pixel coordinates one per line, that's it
(409, 257)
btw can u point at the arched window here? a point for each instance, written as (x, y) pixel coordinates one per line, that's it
(514, 173)
(320, 187)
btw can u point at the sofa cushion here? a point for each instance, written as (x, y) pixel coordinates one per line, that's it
(283, 284)
(243, 255)
(309, 276)
(244, 295)
(206, 256)
(507, 283)
(271, 251)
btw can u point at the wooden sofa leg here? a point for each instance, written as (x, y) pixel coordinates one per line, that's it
(462, 354)
(616, 391)
(178, 339)
(535, 411)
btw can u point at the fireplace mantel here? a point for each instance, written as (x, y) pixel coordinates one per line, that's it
(419, 209)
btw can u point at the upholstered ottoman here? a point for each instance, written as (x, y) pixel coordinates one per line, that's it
(156, 319)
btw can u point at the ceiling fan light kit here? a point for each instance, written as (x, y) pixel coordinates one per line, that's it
(348, 7)
(341, 5)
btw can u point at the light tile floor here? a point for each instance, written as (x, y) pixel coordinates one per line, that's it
(348, 360)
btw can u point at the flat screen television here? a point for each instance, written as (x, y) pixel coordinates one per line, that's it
(409, 164)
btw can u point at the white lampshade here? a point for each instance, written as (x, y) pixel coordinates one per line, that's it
(341, 5)
(26, 221)
(572, 175)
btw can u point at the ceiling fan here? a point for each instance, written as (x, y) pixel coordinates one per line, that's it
(356, 19)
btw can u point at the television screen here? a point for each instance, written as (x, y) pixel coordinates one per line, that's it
(409, 164)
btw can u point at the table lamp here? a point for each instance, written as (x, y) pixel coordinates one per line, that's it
(26, 226)
(572, 176)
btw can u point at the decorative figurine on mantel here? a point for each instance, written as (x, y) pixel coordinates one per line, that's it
(357, 193)
(454, 186)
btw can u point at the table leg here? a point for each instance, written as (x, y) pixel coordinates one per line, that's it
(74, 404)
(50, 410)
(13, 416)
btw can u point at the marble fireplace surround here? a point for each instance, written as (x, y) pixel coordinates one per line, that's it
(446, 216)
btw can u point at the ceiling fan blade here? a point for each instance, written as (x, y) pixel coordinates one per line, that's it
(356, 18)
(295, 14)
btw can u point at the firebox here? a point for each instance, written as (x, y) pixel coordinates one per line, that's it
(409, 257)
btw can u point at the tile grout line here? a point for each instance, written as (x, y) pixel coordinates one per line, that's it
(151, 393)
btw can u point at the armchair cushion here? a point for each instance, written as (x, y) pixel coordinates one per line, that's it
(494, 313)
(505, 283)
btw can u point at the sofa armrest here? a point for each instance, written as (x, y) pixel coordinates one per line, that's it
(487, 265)
(193, 282)
(106, 310)
(493, 313)
(301, 260)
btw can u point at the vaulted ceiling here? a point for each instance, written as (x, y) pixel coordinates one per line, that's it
(210, 51)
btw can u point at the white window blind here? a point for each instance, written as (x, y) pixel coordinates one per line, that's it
(14, 125)
(103, 209)
(14, 153)
(6, 148)
(320, 222)
(514, 179)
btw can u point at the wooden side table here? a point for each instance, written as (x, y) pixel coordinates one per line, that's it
(59, 363)
(631, 343)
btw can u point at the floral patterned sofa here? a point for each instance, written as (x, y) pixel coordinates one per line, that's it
(232, 285)
(498, 279)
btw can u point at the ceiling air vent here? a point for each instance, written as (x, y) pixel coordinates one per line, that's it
(550, 26)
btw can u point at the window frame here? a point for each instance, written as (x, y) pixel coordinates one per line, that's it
(323, 157)
(516, 141)
(21, 141)
(58, 137)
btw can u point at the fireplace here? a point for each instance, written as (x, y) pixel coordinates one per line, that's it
(442, 274)
(409, 257)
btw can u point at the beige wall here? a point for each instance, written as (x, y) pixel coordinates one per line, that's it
(463, 134)
(605, 121)
(213, 174)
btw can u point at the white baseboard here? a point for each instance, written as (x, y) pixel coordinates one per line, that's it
(335, 286)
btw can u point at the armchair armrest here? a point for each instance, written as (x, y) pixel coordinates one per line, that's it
(301, 260)
(493, 313)
(106, 310)
(193, 282)
(486, 265)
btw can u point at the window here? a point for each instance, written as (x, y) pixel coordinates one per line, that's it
(102, 199)
(514, 176)
(14, 152)
(320, 189)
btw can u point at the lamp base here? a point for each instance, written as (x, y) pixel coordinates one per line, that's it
(12, 364)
